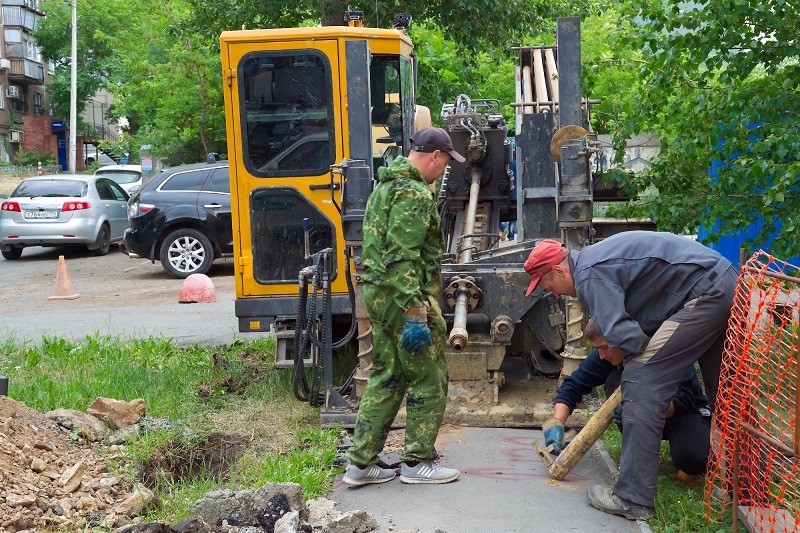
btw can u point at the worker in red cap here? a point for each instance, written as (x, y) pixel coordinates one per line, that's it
(663, 301)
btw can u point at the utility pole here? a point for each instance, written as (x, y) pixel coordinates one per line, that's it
(73, 96)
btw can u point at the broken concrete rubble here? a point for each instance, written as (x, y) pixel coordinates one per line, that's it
(117, 414)
(52, 478)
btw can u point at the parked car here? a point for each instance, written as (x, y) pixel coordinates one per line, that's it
(183, 218)
(129, 177)
(63, 210)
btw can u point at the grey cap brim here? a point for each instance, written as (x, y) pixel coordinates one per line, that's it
(455, 155)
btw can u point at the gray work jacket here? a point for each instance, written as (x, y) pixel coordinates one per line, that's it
(633, 281)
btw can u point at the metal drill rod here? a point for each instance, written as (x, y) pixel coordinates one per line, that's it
(472, 211)
(458, 335)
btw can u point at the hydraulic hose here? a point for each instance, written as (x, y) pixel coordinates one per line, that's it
(308, 335)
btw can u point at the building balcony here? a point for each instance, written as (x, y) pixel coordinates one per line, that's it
(21, 14)
(25, 71)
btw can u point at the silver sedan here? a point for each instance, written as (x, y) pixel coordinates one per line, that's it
(63, 210)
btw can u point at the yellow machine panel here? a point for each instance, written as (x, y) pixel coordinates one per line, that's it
(286, 107)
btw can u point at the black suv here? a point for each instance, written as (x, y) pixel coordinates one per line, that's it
(182, 217)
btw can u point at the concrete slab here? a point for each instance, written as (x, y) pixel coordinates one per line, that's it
(503, 487)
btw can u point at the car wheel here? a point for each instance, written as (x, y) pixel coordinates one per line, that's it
(185, 252)
(13, 253)
(102, 244)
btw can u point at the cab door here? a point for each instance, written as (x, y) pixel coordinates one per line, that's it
(283, 101)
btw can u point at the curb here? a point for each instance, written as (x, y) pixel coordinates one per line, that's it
(644, 527)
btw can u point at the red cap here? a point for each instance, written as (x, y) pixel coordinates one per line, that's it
(543, 258)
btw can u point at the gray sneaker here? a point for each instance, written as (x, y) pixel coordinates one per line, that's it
(603, 499)
(371, 474)
(427, 473)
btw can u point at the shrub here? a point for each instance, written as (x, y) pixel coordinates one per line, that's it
(31, 158)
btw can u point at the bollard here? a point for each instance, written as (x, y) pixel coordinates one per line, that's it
(40, 168)
(3, 384)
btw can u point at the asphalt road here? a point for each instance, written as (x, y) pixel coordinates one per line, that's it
(118, 296)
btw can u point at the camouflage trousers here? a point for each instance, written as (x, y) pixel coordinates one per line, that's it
(396, 371)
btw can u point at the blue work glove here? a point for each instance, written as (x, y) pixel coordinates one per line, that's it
(416, 335)
(554, 435)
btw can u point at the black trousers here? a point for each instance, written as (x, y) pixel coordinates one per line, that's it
(689, 439)
(689, 436)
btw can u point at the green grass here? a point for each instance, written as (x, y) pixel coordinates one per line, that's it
(679, 506)
(230, 390)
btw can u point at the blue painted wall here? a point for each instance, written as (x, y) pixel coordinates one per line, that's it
(729, 246)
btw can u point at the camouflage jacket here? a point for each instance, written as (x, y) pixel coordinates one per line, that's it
(403, 241)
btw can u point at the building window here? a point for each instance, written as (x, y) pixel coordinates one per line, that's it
(32, 51)
(13, 36)
(38, 104)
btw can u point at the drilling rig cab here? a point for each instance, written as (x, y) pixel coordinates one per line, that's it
(298, 101)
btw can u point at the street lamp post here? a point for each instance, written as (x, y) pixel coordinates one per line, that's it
(73, 95)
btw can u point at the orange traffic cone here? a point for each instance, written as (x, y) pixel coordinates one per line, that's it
(63, 289)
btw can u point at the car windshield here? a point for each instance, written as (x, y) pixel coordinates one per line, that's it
(52, 188)
(120, 176)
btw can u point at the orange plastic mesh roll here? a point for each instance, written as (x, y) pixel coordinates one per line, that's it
(755, 440)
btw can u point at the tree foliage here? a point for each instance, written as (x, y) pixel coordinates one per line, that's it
(610, 66)
(160, 58)
(721, 85)
(98, 23)
(167, 82)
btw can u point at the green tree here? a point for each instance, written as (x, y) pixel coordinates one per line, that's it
(446, 72)
(166, 81)
(610, 66)
(160, 58)
(722, 84)
(98, 23)
(471, 25)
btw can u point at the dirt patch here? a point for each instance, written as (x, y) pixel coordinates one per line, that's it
(179, 460)
(53, 481)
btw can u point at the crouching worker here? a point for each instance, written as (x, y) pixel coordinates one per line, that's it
(688, 424)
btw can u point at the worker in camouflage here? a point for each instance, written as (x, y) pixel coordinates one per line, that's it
(403, 246)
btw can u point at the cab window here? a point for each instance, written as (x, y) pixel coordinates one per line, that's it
(391, 88)
(287, 111)
(277, 214)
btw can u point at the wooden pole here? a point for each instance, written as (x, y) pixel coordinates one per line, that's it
(576, 449)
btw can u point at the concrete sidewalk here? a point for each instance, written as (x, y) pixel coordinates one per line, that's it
(503, 487)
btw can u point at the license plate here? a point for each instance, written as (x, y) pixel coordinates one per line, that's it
(41, 214)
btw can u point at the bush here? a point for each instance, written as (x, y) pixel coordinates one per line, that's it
(26, 158)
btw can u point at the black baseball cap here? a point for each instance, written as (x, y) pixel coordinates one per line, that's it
(429, 140)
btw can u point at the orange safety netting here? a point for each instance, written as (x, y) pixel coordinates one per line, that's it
(755, 441)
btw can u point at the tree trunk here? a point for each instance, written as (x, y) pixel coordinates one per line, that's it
(332, 12)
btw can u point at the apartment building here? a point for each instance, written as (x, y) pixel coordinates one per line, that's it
(24, 110)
